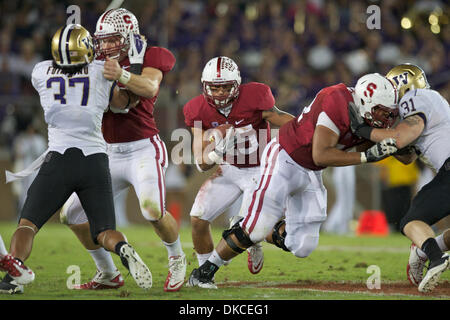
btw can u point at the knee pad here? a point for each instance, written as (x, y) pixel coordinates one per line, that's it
(277, 238)
(241, 236)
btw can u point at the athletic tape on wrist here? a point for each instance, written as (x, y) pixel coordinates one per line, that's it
(124, 77)
(363, 157)
(214, 157)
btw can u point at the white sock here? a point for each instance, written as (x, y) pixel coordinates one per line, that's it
(174, 249)
(3, 250)
(203, 257)
(216, 259)
(103, 260)
(440, 241)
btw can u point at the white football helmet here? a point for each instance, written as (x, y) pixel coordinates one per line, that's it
(221, 71)
(115, 23)
(376, 98)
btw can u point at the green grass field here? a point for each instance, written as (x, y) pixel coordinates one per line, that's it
(337, 269)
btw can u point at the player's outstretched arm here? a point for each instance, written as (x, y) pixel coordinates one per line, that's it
(407, 131)
(276, 116)
(145, 85)
(326, 154)
(404, 133)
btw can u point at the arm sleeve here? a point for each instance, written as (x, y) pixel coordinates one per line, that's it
(324, 120)
(188, 116)
(266, 99)
(413, 104)
(336, 108)
(159, 58)
(34, 78)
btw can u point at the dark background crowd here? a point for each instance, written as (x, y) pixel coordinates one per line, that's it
(295, 47)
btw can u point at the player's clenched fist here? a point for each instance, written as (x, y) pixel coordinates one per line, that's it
(112, 70)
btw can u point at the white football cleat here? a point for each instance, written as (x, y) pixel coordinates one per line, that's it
(177, 272)
(255, 259)
(138, 270)
(416, 264)
(16, 269)
(102, 281)
(433, 274)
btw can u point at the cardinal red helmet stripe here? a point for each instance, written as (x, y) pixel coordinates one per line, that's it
(219, 62)
(105, 14)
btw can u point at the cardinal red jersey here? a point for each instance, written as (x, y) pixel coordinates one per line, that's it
(245, 116)
(296, 136)
(139, 122)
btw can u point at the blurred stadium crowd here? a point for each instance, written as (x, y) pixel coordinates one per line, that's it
(296, 47)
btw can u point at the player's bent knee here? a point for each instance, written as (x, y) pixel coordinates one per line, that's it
(408, 218)
(306, 246)
(151, 210)
(199, 225)
(237, 239)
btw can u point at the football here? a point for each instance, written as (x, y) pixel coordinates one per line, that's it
(219, 132)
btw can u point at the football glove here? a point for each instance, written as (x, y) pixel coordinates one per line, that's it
(379, 151)
(223, 145)
(357, 124)
(136, 53)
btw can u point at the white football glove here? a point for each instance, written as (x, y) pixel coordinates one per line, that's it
(138, 44)
(379, 151)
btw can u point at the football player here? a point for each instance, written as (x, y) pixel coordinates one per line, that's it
(74, 94)
(248, 110)
(422, 133)
(290, 182)
(137, 155)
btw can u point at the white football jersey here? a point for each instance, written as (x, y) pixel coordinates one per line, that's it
(434, 142)
(73, 106)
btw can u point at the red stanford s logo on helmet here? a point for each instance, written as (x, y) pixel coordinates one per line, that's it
(221, 80)
(376, 98)
(111, 37)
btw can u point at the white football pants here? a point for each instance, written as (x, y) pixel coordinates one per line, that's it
(222, 189)
(286, 188)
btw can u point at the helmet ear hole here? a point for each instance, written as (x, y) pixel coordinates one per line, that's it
(362, 102)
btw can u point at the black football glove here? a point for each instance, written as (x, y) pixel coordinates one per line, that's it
(357, 124)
